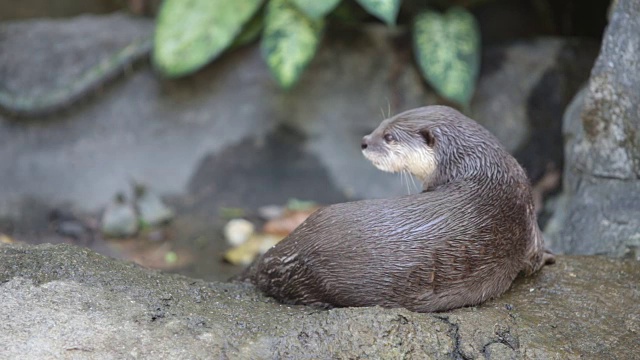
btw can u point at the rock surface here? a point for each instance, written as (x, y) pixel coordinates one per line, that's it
(522, 94)
(11, 10)
(162, 132)
(601, 212)
(67, 302)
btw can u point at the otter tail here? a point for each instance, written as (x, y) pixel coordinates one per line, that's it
(537, 255)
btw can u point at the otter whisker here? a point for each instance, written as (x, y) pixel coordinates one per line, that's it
(403, 182)
(413, 181)
(388, 108)
(408, 178)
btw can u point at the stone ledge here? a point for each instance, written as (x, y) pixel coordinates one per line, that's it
(63, 301)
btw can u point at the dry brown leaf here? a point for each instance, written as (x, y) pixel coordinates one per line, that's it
(284, 225)
(6, 239)
(245, 253)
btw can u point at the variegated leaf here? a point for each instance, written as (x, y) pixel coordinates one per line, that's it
(447, 49)
(289, 41)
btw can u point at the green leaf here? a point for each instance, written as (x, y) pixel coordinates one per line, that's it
(316, 8)
(290, 41)
(385, 10)
(191, 33)
(250, 32)
(447, 48)
(170, 257)
(231, 212)
(300, 205)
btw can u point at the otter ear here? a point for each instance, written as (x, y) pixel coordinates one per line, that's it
(428, 137)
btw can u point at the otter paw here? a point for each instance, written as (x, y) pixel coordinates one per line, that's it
(548, 258)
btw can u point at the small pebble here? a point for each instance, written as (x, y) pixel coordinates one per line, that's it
(151, 208)
(271, 212)
(72, 229)
(65, 223)
(119, 219)
(5, 239)
(238, 231)
(247, 252)
(170, 258)
(268, 241)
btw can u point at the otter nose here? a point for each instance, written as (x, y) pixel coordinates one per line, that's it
(365, 142)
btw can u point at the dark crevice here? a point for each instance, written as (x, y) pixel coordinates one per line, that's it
(497, 341)
(610, 177)
(454, 332)
(504, 337)
(584, 173)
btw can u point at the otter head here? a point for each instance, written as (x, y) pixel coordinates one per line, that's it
(399, 145)
(435, 143)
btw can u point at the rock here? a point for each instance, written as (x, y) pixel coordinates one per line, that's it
(238, 231)
(61, 8)
(151, 209)
(41, 90)
(119, 219)
(244, 254)
(68, 225)
(60, 301)
(601, 212)
(523, 91)
(270, 212)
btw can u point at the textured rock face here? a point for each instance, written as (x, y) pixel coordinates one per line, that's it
(601, 214)
(63, 301)
(522, 94)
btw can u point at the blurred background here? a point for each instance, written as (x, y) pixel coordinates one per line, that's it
(190, 136)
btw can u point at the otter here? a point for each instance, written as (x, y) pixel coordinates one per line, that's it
(459, 242)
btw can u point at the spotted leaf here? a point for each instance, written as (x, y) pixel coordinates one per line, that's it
(290, 41)
(447, 49)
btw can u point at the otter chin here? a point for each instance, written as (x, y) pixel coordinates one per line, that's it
(459, 242)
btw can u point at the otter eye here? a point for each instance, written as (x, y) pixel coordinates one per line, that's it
(389, 138)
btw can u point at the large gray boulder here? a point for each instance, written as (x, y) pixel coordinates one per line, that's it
(61, 302)
(600, 213)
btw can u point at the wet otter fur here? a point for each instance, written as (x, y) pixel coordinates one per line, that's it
(461, 241)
